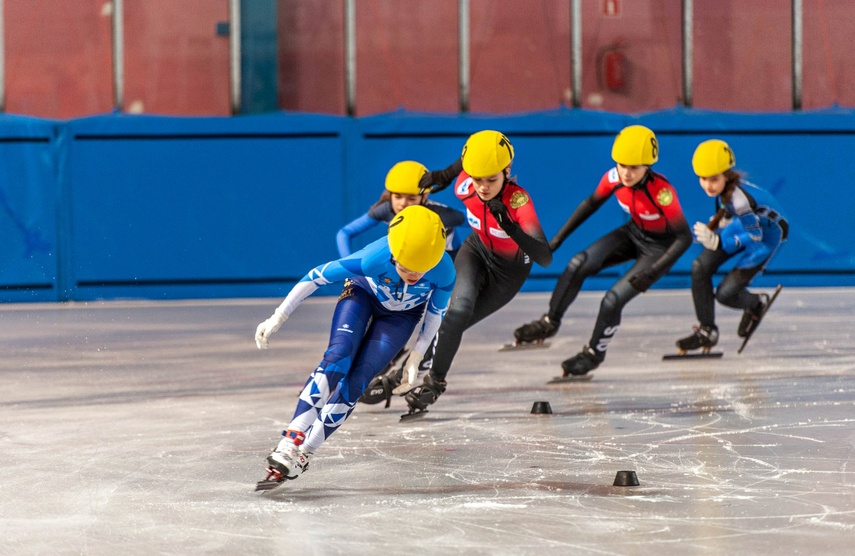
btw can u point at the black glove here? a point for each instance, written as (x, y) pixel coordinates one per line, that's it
(426, 183)
(437, 180)
(642, 280)
(500, 212)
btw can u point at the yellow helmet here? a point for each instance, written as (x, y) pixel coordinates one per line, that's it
(417, 238)
(404, 177)
(635, 145)
(486, 153)
(713, 157)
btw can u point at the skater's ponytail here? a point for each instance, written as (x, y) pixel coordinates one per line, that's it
(731, 178)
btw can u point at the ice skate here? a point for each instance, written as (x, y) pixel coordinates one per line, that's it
(420, 397)
(286, 462)
(583, 362)
(751, 319)
(703, 338)
(578, 367)
(381, 386)
(534, 334)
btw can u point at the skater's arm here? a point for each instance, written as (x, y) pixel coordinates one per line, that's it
(437, 180)
(437, 304)
(354, 228)
(451, 217)
(585, 209)
(643, 279)
(327, 273)
(682, 241)
(532, 241)
(535, 245)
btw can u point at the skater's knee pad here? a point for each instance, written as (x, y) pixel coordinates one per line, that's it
(700, 271)
(727, 294)
(460, 313)
(611, 303)
(578, 260)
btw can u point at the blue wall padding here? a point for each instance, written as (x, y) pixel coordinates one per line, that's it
(155, 207)
(28, 209)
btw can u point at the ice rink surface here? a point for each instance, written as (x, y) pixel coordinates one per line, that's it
(142, 427)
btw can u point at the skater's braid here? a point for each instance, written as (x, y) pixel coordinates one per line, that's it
(731, 178)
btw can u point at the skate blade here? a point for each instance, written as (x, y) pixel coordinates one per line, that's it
(710, 355)
(757, 324)
(274, 479)
(571, 378)
(524, 346)
(413, 415)
(267, 485)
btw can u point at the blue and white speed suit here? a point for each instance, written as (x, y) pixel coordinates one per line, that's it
(753, 228)
(375, 315)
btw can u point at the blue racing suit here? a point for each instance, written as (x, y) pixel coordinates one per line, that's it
(375, 315)
(752, 229)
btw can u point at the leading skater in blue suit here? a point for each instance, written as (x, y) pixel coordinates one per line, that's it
(388, 286)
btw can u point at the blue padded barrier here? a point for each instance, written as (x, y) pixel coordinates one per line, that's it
(120, 206)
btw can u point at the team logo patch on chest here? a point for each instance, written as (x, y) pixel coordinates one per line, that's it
(664, 197)
(518, 199)
(499, 233)
(473, 220)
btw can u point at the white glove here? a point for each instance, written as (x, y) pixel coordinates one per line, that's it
(267, 328)
(705, 236)
(411, 373)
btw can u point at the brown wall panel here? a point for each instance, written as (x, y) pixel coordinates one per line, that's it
(829, 45)
(406, 56)
(311, 56)
(743, 55)
(175, 63)
(58, 60)
(520, 55)
(631, 55)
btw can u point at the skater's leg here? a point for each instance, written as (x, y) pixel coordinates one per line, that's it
(386, 335)
(471, 278)
(609, 317)
(350, 320)
(623, 246)
(481, 289)
(703, 294)
(733, 290)
(381, 386)
(611, 249)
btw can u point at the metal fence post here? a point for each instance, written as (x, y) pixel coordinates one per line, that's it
(119, 55)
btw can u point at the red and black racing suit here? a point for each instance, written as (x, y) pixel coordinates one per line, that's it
(492, 264)
(655, 237)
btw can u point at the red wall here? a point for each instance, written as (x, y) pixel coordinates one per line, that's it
(59, 61)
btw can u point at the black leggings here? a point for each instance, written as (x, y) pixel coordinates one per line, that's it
(731, 292)
(623, 244)
(485, 283)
